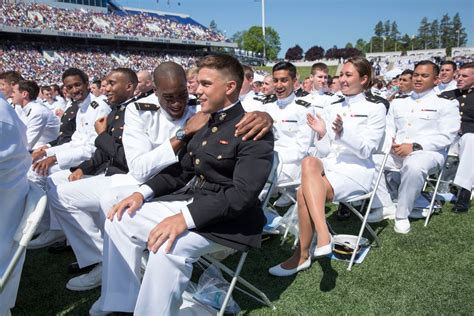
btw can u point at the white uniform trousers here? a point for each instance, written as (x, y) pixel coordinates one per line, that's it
(166, 276)
(413, 171)
(465, 173)
(13, 205)
(56, 176)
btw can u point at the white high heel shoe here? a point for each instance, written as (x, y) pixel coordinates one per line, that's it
(278, 270)
(324, 250)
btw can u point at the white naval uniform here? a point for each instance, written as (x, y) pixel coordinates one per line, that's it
(148, 150)
(348, 163)
(320, 100)
(58, 104)
(14, 163)
(464, 148)
(293, 136)
(442, 87)
(42, 126)
(251, 102)
(429, 120)
(70, 154)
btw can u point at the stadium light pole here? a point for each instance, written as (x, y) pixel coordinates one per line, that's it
(383, 44)
(263, 32)
(412, 41)
(458, 31)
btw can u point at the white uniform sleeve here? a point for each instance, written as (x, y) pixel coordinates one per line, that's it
(449, 123)
(143, 160)
(364, 142)
(36, 126)
(303, 139)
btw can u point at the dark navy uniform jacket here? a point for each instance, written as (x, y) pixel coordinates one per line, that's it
(109, 156)
(68, 125)
(466, 107)
(229, 175)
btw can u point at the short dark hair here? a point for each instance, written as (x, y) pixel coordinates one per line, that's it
(467, 65)
(11, 77)
(96, 82)
(426, 63)
(227, 64)
(407, 72)
(29, 86)
(320, 67)
(248, 72)
(449, 62)
(56, 88)
(285, 65)
(129, 73)
(45, 88)
(75, 72)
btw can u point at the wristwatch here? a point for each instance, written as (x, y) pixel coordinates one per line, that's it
(181, 135)
(417, 146)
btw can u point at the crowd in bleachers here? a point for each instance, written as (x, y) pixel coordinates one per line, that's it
(133, 23)
(29, 60)
(329, 131)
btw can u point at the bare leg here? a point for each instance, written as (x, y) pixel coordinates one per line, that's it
(311, 196)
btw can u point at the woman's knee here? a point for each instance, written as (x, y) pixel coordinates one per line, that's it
(311, 164)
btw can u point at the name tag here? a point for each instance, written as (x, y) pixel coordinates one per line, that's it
(289, 121)
(428, 110)
(359, 115)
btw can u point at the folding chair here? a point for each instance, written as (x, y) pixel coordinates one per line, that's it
(34, 209)
(207, 260)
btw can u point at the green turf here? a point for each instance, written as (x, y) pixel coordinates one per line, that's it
(429, 271)
(303, 71)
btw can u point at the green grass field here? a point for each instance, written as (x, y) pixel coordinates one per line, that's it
(429, 271)
(303, 71)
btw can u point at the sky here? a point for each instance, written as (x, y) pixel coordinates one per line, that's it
(315, 22)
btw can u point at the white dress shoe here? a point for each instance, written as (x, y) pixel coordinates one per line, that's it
(86, 281)
(278, 270)
(323, 251)
(402, 226)
(380, 213)
(283, 201)
(96, 311)
(46, 239)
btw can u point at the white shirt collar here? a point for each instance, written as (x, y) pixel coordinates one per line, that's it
(420, 95)
(354, 98)
(284, 102)
(317, 92)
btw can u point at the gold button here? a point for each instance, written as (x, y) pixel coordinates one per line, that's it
(214, 129)
(117, 117)
(202, 177)
(462, 104)
(204, 143)
(461, 113)
(121, 127)
(61, 123)
(60, 133)
(219, 157)
(120, 137)
(197, 161)
(191, 153)
(464, 96)
(113, 129)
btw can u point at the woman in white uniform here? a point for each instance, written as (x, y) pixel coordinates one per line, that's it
(358, 124)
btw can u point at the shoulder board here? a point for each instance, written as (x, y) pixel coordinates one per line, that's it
(146, 106)
(94, 104)
(193, 102)
(377, 99)
(304, 93)
(329, 93)
(401, 96)
(303, 103)
(260, 99)
(447, 95)
(269, 99)
(341, 99)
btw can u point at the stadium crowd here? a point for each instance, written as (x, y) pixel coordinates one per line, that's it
(131, 23)
(199, 146)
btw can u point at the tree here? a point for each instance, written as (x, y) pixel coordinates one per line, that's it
(349, 45)
(386, 28)
(238, 38)
(294, 53)
(406, 42)
(457, 27)
(362, 45)
(314, 53)
(378, 29)
(252, 40)
(446, 31)
(394, 36)
(424, 32)
(213, 26)
(435, 39)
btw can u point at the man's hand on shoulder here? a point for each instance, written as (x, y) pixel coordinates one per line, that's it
(196, 122)
(254, 125)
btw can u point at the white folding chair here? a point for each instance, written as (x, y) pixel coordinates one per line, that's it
(207, 260)
(34, 209)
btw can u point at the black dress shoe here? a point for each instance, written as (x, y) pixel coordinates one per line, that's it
(343, 212)
(73, 268)
(463, 201)
(59, 247)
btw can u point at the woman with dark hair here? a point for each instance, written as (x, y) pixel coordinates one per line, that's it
(358, 124)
